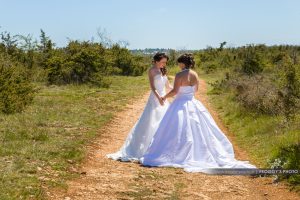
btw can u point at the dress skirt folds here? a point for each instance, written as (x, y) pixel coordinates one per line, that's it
(189, 138)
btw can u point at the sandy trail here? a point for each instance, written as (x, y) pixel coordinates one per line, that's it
(107, 179)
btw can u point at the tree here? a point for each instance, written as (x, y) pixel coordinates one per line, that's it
(222, 46)
(252, 62)
(104, 37)
(46, 44)
(45, 49)
(172, 57)
(10, 42)
(28, 45)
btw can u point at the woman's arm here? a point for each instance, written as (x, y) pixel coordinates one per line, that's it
(168, 85)
(198, 82)
(151, 80)
(175, 89)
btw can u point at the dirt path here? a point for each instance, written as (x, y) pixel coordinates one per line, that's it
(107, 179)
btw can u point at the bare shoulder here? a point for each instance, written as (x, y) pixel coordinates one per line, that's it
(151, 71)
(180, 74)
(194, 73)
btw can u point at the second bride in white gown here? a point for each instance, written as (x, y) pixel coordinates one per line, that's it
(188, 136)
(142, 132)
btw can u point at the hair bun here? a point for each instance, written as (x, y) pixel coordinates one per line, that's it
(187, 59)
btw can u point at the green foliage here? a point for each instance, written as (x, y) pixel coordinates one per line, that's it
(265, 79)
(45, 49)
(78, 63)
(219, 85)
(211, 59)
(9, 42)
(24, 60)
(287, 158)
(126, 63)
(45, 43)
(16, 91)
(83, 62)
(172, 57)
(257, 93)
(252, 63)
(92, 63)
(222, 45)
(290, 87)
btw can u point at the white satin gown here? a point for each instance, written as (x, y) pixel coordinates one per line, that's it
(142, 132)
(189, 138)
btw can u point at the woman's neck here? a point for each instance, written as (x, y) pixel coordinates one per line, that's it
(155, 66)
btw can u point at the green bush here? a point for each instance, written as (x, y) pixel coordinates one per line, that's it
(257, 93)
(86, 62)
(16, 91)
(80, 62)
(252, 63)
(287, 157)
(265, 79)
(290, 87)
(126, 63)
(209, 67)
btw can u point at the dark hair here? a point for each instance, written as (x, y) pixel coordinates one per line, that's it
(157, 57)
(187, 59)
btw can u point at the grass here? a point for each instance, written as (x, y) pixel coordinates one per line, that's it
(41, 144)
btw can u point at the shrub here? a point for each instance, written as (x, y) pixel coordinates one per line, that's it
(86, 62)
(126, 63)
(252, 63)
(287, 157)
(79, 63)
(209, 67)
(257, 93)
(16, 91)
(290, 87)
(219, 85)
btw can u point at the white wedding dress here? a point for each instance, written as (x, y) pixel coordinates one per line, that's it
(189, 138)
(142, 132)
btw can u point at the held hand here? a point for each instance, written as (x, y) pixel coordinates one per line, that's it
(161, 101)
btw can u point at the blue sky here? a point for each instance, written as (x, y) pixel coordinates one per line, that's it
(179, 24)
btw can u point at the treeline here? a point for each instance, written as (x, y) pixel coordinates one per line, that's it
(265, 81)
(25, 60)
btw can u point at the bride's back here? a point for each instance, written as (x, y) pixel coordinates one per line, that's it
(188, 78)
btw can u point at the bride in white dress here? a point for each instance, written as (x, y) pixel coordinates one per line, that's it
(142, 132)
(188, 136)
